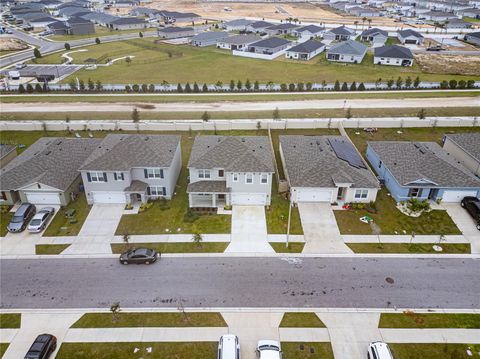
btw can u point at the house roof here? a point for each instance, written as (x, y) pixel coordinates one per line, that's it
(271, 42)
(128, 20)
(311, 161)
(173, 29)
(208, 186)
(118, 152)
(77, 20)
(42, 19)
(238, 22)
(99, 17)
(469, 142)
(6, 149)
(310, 28)
(58, 25)
(395, 51)
(349, 47)
(284, 26)
(232, 153)
(210, 35)
(52, 161)
(241, 39)
(177, 15)
(375, 31)
(260, 24)
(410, 162)
(342, 30)
(409, 32)
(474, 34)
(307, 47)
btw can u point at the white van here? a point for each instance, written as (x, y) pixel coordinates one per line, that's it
(228, 347)
(379, 350)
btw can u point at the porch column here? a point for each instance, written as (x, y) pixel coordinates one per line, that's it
(227, 199)
(189, 200)
(214, 200)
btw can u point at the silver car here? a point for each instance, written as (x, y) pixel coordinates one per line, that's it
(41, 219)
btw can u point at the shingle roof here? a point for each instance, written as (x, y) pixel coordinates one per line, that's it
(232, 153)
(310, 161)
(474, 34)
(6, 149)
(395, 51)
(349, 47)
(128, 20)
(409, 32)
(99, 17)
(414, 161)
(123, 152)
(241, 39)
(260, 24)
(307, 47)
(52, 161)
(210, 35)
(271, 42)
(469, 142)
(375, 31)
(311, 28)
(208, 186)
(238, 22)
(284, 26)
(342, 30)
(173, 29)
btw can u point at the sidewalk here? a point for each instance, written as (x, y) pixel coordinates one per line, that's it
(403, 239)
(172, 238)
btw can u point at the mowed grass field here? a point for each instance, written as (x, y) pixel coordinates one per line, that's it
(157, 62)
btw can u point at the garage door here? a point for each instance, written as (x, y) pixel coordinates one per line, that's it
(314, 195)
(43, 197)
(457, 196)
(410, 41)
(109, 197)
(249, 199)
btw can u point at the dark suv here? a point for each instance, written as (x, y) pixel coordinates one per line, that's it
(22, 216)
(42, 347)
(472, 205)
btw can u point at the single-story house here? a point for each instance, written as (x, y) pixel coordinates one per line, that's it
(326, 169)
(341, 33)
(230, 170)
(374, 36)
(439, 15)
(269, 46)
(309, 31)
(473, 37)
(465, 147)
(347, 51)
(421, 170)
(170, 17)
(7, 153)
(58, 27)
(410, 37)
(66, 12)
(46, 172)
(474, 13)
(305, 50)
(457, 24)
(80, 26)
(100, 18)
(237, 25)
(393, 55)
(258, 26)
(128, 168)
(128, 23)
(174, 32)
(41, 22)
(237, 42)
(208, 38)
(281, 29)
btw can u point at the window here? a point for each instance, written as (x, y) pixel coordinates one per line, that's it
(97, 177)
(153, 173)
(249, 178)
(118, 176)
(264, 178)
(361, 193)
(203, 173)
(221, 173)
(235, 177)
(379, 164)
(415, 192)
(156, 191)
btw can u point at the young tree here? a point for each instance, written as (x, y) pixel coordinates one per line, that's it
(90, 85)
(259, 125)
(444, 85)
(361, 87)
(345, 87)
(204, 88)
(128, 88)
(399, 82)
(140, 34)
(21, 89)
(197, 238)
(353, 86)
(29, 88)
(300, 87)
(128, 60)
(462, 84)
(98, 85)
(336, 87)
(408, 82)
(72, 84)
(309, 86)
(135, 88)
(179, 88)
(81, 85)
(453, 84)
(256, 86)
(45, 87)
(283, 87)
(422, 114)
(37, 53)
(67, 46)
(144, 88)
(218, 85)
(135, 115)
(248, 85)
(196, 89)
(239, 85)
(291, 87)
(470, 84)
(151, 88)
(205, 116)
(97, 40)
(348, 114)
(416, 82)
(38, 88)
(390, 83)
(188, 89)
(276, 114)
(232, 85)
(115, 309)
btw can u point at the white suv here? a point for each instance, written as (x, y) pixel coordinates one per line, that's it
(268, 349)
(379, 350)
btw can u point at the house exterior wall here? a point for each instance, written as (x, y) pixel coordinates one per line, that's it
(8, 157)
(174, 171)
(410, 40)
(371, 196)
(468, 161)
(175, 35)
(11, 197)
(391, 61)
(345, 58)
(129, 26)
(297, 55)
(472, 39)
(332, 37)
(267, 50)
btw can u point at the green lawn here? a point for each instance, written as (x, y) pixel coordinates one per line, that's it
(10, 320)
(4, 220)
(50, 248)
(180, 63)
(206, 247)
(171, 350)
(429, 320)
(448, 248)
(293, 247)
(392, 221)
(3, 348)
(470, 19)
(99, 32)
(307, 350)
(277, 214)
(61, 225)
(434, 351)
(146, 319)
(301, 320)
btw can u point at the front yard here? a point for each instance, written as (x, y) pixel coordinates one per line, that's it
(447, 248)
(5, 218)
(307, 350)
(63, 226)
(435, 351)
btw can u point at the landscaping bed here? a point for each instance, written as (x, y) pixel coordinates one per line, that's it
(434, 351)
(10, 320)
(301, 320)
(447, 248)
(307, 350)
(410, 319)
(50, 248)
(176, 247)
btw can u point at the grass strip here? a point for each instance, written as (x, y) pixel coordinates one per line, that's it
(179, 247)
(50, 249)
(307, 350)
(301, 320)
(427, 248)
(429, 320)
(293, 247)
(10, 320)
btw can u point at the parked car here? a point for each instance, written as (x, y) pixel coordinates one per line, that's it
(228, 347)
(379, 350)
(40, 220)
(472, 205)
(42, 347)
(268, 349)
(139, 256)
(20, 66)
(22, 216)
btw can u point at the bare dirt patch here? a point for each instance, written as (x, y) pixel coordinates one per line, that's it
(11, 44)
(449, 64)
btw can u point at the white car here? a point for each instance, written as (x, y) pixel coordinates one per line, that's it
(379, 350)
(268, 349)
(40, 220)
(228, 347)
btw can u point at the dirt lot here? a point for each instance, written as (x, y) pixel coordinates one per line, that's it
(11, 44)
(454, 64)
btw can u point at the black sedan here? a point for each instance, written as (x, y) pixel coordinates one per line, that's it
(139, 256)
(472, 205)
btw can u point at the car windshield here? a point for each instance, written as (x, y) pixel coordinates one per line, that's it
(268, 347)
(35, 222)
(17, 219)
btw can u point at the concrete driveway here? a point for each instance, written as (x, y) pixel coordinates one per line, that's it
(320, 229)
(465, 223)
(249, 230)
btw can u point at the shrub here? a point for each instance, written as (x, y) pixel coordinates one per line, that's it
(361, 87)
(196, 89)
(291, 87)
(144, 88)
(67, 46)
(190, 216)
(309, 86)
(453, 84)
(283, 87)
(462, 84)
(135, 88)
(415, 205)
(353, 86)
(344, 86)
(204, 88)
(470, 84)
(336, 87)
(37, 53)
(179, 88)
(444, 85)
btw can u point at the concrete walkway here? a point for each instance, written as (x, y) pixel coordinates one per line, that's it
(465, 223)
(320, 229)
(249, 230)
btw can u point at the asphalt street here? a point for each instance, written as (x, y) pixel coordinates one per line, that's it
(242, 282)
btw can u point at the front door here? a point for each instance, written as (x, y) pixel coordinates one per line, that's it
(433, 194)
(341, 193)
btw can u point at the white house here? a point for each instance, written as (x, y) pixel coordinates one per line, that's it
(347, 51)
(410, 37)
(305, 50)
(393, 55)
(237, 42)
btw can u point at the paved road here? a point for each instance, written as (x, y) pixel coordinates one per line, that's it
(242, 282)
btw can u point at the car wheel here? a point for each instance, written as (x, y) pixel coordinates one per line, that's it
(125, 262)
(462, 204)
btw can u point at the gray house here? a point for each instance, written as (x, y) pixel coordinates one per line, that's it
(473, 37)
(341, 33)
(393, 55)
(208, 38)
(129, 168)
(46, 172)
(410, 37)
(80, 26)
(374, 36)
(305, 50)
(326, 169)
(309, 31)
(258, 26)
(281, 29)
(237, 25)
(128, 23)
(269, 46)
(237, 42)
(230, 170)
(347, 51)
(174, 32)
(465, 147)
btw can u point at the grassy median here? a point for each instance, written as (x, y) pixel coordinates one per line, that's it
(301, 320)
(413, 320)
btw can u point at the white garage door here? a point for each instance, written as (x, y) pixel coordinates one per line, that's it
(456, 196)
(109, 197)
(249, 199)
(43, 197)
(314, 195)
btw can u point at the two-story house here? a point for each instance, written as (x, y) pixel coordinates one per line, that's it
(128, 168)
(230, 170)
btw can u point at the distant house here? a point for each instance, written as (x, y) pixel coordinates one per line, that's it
(309, 31)
(99, 18)
(237, 25)
(7, 153)
(41, 22)
(258, 26)
(473, 37)
(237, 42)
(347, 51)
(174, 32)
(230, 170)
(363, 11)
(128, 23)
(439, 15)
(457, 24)
(326, 169)
(170, 17)
(73, 26)
(393, 55)
(421, 170)
(474, 13)
(374, 36)
(281, 29)
(410, 37)
(341, 33)
(305, 50)
(465, 147)
(208, 38)
(269, 46)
